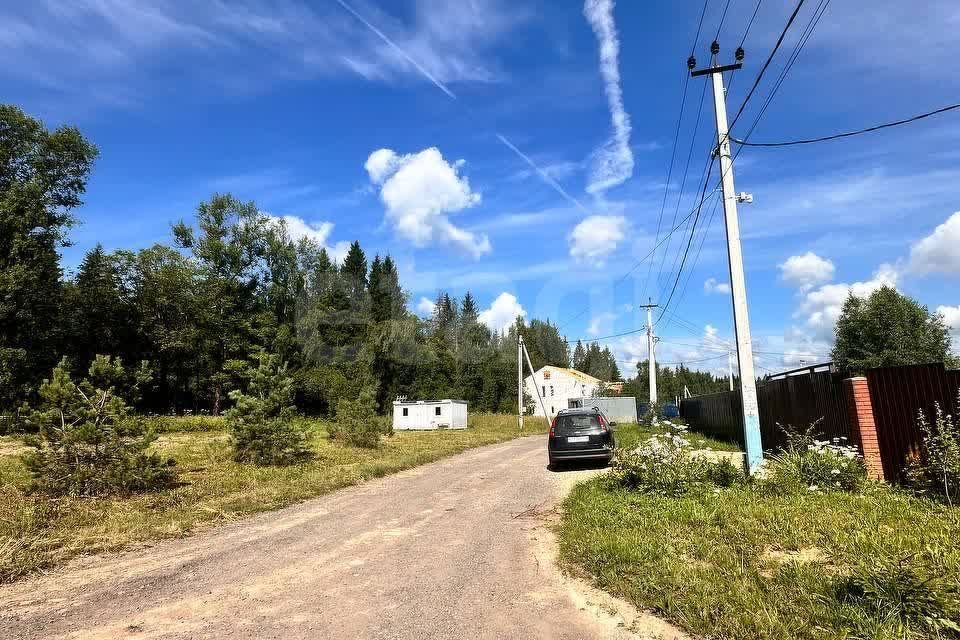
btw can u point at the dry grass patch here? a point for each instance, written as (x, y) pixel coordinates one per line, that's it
(38, 532)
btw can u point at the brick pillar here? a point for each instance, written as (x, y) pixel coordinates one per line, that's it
(863, 428)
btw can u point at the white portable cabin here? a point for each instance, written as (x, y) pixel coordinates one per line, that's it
(436, 414)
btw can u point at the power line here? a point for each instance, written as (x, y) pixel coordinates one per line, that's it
(848, 134)
(743, 39)
(683, 181)
(743, 105)
(756, 10)
(791, 60)
(766, 64)
(723, 17)
(689, 241)
(676, 139)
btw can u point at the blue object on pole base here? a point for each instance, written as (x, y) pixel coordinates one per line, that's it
(754, 447)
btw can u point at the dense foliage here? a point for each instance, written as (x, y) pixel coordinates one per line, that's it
(42, 177)
(86, 441)
(888, 329)
(671, 382)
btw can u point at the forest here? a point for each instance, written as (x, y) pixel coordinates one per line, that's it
(231, 286)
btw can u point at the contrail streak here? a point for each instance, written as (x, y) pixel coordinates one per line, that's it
(443, 87)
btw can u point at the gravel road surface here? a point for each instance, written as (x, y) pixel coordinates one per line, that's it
(460, 548)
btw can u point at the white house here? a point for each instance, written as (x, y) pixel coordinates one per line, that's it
(557, 386)
(437, 414)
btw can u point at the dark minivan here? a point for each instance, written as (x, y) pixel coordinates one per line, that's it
(580, 434)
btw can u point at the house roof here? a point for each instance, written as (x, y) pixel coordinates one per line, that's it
(579, 375)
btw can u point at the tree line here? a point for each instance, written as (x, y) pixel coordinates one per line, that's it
(231, 287)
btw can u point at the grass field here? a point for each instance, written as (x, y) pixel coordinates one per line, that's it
(744, 564)
(36, 532)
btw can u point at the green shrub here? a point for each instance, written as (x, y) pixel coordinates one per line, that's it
(936, 467)
(664, 465)
(357, 422)
(909, 592)
(86, 442)
(184, 424)
(263, 424)
(808, 464)
(723, 473)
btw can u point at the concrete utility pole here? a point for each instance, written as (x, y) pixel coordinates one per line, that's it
(520, 380)
(730, 368)
(651, 357)
(748, 385)
(536, 387)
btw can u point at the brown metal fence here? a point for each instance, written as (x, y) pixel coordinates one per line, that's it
(898, 394)
(795, 398)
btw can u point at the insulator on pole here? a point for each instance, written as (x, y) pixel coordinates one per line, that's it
(715, 47)
(739, 54)
(691, 63)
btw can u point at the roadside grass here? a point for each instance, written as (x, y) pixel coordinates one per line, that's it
(742, 563)
(634, 433)
(38, 532)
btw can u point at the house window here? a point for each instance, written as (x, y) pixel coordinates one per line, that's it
(436, 411)
(406, 411)
(551, 390)
(543, 390)
(546, 375)
(551, 410)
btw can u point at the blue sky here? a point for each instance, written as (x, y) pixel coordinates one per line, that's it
(489, 146)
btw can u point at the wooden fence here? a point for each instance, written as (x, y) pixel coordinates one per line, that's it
(796, 398)
(897, 395)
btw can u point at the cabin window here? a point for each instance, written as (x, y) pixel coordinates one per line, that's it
(436, 411)
(406, 411)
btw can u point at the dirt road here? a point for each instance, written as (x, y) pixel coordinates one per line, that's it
(455, 549)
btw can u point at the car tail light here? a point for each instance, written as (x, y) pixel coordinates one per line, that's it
(603, 423)
(553, 428)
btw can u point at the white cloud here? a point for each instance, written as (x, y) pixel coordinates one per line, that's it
(612, 164)
(951, 316)
(806, 271)
(318, 232)
(502, 312)
(821, 307)
(420, 190)
(713, 286)
(426, 306)
(100, 45)
(600, 322)
(596, 237)
(381, 164)
(940, 251)
(707, 352)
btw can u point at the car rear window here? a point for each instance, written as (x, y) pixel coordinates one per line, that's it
(576, 423)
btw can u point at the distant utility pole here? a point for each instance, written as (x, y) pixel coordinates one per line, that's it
(520, 380)
(651, 357)
(748, 385)
(523, 354)
(730, 367)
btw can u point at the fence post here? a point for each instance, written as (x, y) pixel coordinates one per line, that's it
(863, 427)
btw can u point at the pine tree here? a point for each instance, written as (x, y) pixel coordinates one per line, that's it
(88, 444)
(579, 357)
